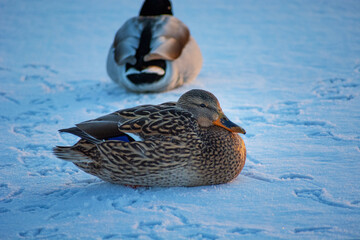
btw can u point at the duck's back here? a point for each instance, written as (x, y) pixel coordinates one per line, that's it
(153, 53)
(166, 38)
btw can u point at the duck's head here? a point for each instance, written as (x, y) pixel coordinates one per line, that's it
(206, 109)
(156, 7)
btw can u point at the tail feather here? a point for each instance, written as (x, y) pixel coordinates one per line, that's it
(68, 154)
(80, 133)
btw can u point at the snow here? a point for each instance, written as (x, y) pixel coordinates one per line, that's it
(286, 71)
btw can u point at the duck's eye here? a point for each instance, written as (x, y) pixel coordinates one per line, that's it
(202, 105)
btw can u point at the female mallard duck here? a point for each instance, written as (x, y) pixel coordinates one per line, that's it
(153, 52)
(187, 143)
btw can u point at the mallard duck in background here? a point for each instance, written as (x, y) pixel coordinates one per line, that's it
(185, 143)
(153, 52)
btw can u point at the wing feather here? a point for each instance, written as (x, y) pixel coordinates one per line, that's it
(170, 36)
(145, 120)
(170, 121)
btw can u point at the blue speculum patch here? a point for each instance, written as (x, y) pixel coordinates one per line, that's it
(123, 138)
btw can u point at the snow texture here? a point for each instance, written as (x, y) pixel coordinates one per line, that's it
(286, 71)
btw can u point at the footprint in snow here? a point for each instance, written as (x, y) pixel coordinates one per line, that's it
(148, 225)
(40, 67)
(251, 108)
(260, 176)
(252, 159)
(43, 75)
(5, 69)
(285, 108)
(175, 220)
(43, 233)
(8, 193)
(312, 229)
(62, 193)
(4, 210)
(178, 220)
(5, 96)
(124, 203)
(307, 123)
(33, 78)
(41, 101)
(27, 130)
(64, 215)
(336, 89)
(34, 208)
(293, 176)
(323, 197)
(203, 235)
(323, 133)
(112, 236)
(4, 118)
(254, 119)
(123, 206)
(244, 231)
(330, 134)
(30, 158)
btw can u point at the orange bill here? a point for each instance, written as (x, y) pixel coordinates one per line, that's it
(224, 122)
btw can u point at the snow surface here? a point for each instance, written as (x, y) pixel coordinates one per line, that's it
(286, 71)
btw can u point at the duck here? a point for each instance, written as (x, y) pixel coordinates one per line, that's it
(186, 143)
(153, 52)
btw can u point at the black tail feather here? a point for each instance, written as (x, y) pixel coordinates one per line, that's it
(78, 132)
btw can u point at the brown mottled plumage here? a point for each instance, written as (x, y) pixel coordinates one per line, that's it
(188, 143)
